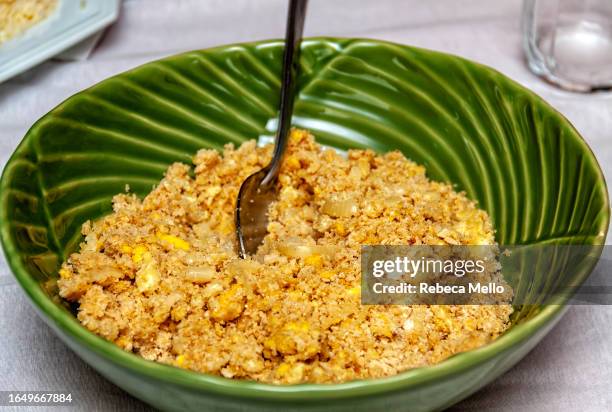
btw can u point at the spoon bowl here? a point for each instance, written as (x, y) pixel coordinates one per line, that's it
(252, 205)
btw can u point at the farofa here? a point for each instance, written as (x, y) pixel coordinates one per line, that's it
(161, 278)
(17, 16)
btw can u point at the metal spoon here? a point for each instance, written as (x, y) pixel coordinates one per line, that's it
(260, 189)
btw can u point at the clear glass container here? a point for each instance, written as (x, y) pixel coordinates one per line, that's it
(569, 42)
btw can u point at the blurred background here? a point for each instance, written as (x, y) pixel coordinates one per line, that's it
(570, 370)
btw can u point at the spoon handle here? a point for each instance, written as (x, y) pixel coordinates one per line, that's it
(291, 62)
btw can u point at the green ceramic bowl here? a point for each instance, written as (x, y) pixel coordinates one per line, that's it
(469, 125)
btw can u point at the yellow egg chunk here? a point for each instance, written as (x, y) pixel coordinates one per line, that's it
(228, 305)
(147, 278)
(174, 241)
(138, 253)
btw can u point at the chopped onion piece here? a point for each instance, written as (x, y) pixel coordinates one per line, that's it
(104, 275)
(294, 250)
(340, 208)
(201, 274)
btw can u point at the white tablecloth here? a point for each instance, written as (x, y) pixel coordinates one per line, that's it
(570, 370)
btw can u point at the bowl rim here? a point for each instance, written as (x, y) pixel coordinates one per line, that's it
(68, 327)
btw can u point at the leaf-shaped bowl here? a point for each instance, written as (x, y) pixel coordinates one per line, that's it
(468, 124)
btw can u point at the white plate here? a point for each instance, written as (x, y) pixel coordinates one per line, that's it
(72, 22)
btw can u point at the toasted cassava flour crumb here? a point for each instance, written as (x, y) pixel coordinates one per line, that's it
(160, 277)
